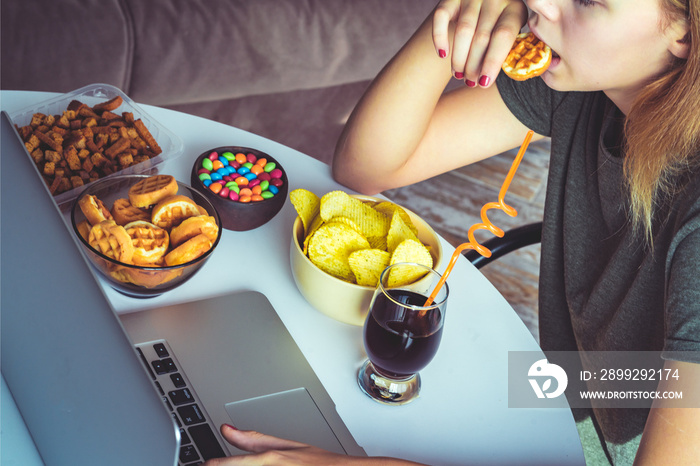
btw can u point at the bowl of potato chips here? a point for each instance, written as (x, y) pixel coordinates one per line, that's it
(341, 243)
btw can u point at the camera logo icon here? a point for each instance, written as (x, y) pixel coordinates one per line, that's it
(546, 371)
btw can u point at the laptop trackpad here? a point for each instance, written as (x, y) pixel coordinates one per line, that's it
(292, 414)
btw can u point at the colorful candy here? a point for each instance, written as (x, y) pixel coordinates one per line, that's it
(240, 177)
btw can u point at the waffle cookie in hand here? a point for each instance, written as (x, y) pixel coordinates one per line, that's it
(529, 57)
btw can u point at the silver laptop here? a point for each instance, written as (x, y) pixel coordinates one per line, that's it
(151, 387)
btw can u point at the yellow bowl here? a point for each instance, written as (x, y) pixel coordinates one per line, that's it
(341, 300)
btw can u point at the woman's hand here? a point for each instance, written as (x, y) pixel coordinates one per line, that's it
(484, 33)
(268, 450)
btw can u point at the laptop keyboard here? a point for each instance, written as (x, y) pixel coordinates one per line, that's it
(198, 442)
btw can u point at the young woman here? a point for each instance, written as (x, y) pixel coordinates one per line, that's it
(621, 230)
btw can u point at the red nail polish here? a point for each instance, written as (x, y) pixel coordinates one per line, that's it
(229, 425)
(459, 75)
(470, 83)
(484, 81)
(442, 53)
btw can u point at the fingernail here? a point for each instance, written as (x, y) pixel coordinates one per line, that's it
(442, 53)
(470, 83)
(484, 81)
(459, 75)
(229, 425)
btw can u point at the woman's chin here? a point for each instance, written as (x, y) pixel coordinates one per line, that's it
(550, 79)
(550, 76)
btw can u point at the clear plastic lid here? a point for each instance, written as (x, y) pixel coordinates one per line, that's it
(171, 144)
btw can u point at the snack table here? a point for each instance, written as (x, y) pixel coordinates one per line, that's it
(462, 415)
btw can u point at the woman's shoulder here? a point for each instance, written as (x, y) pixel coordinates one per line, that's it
(685, 201)
(538, 106)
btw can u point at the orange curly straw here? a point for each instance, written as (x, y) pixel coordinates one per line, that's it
(486, 224)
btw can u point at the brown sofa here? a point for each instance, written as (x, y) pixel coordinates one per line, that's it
(290, 70)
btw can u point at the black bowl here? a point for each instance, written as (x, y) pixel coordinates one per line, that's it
(236, 215)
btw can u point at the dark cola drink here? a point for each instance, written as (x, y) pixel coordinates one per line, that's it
(400, 341)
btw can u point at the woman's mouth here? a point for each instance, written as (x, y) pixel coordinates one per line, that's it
(555, 59)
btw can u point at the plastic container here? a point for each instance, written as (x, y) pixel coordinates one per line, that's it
(169, 142)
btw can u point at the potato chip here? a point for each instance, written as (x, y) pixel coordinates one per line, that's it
(330, 246)
(409, 250)
(318, 221)
(340, 204)
(404, 274)
(336, 203)
(367, 265)
(315, 225)
(307, 205)
(377, 242)
(348, 222)
(388, 209)
(398, 232)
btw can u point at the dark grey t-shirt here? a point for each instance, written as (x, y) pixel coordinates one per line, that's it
(601, 288)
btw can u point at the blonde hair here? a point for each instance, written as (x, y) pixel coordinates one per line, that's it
(662, 129)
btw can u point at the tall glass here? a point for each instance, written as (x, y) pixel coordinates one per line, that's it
(401, 334)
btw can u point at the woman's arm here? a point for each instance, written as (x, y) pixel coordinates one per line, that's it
(405, 129)
(672, 435)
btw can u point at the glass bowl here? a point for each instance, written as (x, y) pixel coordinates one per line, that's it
(136, 280)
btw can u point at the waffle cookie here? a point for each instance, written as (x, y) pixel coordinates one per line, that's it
(123, 212)
(189, 250)
(193, 226)
(529, 57)
(152, 190)
(172, 210)
(94, 210)
(112, 240)
(150, 242)
(145, 277)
